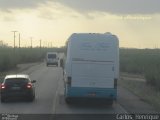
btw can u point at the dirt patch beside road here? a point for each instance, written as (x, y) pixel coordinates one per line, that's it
(132, 103)
(135, 77)
(22, 67)
(137, 97)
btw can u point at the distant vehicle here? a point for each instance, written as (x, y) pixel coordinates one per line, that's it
(52, 58)
(92, 67)
(17, 86)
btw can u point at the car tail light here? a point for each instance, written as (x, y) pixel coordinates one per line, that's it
(29, 85)
(3, 86)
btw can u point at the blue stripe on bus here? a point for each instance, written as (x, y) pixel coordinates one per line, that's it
(109, 93)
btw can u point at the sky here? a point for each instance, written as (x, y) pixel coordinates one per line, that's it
(135, 22)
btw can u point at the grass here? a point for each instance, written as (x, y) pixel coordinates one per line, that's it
(142, 61)
(145, 92)
(10, 58)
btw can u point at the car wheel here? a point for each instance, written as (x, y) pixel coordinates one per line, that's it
(110, 102)
(2, 99)
(31, 98)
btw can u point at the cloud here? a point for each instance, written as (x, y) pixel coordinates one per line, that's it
(55, 10)
(20, 4)
(85, 6)
(115, 6)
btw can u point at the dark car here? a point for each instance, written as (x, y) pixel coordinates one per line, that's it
(17, 86)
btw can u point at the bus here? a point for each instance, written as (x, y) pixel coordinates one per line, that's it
(92, 67)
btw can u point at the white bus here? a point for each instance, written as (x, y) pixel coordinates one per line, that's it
(92, 66)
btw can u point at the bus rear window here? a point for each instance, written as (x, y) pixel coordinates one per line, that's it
(51, 55)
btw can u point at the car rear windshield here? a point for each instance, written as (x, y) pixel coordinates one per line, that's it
(16, 80)
(51, 55)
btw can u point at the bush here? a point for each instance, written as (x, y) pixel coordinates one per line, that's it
(142, 61)
(7, 61)
(9, 58)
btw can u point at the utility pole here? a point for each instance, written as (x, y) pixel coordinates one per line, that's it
(14, 32)
(40, 44)
(51, 44)
(48, 44)
(31, 42)
(19, 40)
(1, 43)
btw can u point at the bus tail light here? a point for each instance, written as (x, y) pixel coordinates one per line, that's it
(115, 83)
(69, 80)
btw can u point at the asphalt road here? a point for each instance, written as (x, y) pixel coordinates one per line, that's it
(50, 99)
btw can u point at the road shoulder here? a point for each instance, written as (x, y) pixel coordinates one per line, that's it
(132, 103)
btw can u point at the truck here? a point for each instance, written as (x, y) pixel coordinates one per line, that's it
(92, 67)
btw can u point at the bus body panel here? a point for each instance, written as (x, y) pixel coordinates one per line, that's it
(92, 66)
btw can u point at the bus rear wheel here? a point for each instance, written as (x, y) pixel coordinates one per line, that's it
(110, 102)
(68, 100)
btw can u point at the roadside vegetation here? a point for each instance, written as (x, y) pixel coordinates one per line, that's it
(9, 58)
(144, 91)
(142, 61)
(145, 63)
